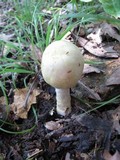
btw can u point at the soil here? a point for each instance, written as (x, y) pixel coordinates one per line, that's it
(92, 127)
(76, 136)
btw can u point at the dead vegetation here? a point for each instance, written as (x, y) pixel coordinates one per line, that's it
(30, 127)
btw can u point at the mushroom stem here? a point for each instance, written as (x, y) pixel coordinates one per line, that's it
(63, 101)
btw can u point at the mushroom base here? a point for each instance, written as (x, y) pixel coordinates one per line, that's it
(63, 101)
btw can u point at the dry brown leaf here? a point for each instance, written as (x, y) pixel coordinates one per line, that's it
(96, 36)
(90, 69)
(108, 156)
(2, 100)
(52, 125)
(114, 78)
(33, 153)
(85, 156)
(5, 37)
(96, 95)
(18, 107)
(60, 1)
(97, 50)
(7, 49)
(103, 29)
(1, 4)
(108, 29)
(71, 7)
(36, 52)
(2, 107)
(67, 156)
(52, 146)
(2, 24)
(88, 92)
(116, 119)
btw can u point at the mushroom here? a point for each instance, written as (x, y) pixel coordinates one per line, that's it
(61, 67)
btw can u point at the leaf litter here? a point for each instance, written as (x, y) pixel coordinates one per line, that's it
(19, 107)
(114, 78)
(90, 69)
(83, 134)
(108, 156)
(5, 37)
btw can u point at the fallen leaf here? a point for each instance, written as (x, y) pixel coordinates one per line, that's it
(88, 92)
(97, 50)
(52, 125)
(94, 95)
(1, 4)
(32, 153)
(61, 1)
(36, 52)
(18, 106)
(71, 7)
(5, 37)
(8, 49)
(85, 156)
(114, 78)
(108, 156)
(117, 47)
(110, 30)
(116, 119)
(2, 156)
(2, 24)
(103, 29)
(52, 146)
(110, 49)
(67, 156)
(85, 0)
(96, 36)
(3, 107)
(90, 69)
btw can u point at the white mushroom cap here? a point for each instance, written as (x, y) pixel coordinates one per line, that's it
(62, 64)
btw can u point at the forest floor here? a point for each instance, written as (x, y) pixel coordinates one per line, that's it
(30, 128)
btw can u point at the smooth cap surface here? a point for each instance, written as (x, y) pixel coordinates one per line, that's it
(62, 64)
